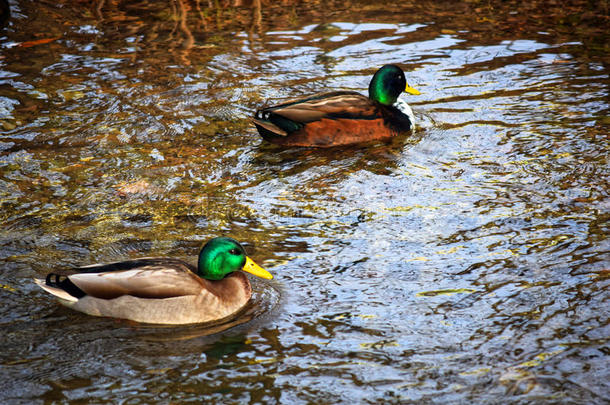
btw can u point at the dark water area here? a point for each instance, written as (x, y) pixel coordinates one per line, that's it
(466, 262)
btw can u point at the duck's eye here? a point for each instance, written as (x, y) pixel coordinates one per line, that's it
(235, 251)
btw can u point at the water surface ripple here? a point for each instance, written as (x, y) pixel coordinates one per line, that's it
(465, 263)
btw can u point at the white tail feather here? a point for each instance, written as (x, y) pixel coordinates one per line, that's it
(58, 292)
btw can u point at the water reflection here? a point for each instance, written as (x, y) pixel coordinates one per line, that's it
(467, 262)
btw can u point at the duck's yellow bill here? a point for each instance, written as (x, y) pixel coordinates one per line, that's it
(411, 90)
(255, 269)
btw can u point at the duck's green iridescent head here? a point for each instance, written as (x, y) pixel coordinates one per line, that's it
(222, 256)
(387, 84)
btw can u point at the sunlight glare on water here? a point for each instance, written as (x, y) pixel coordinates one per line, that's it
(466, 262)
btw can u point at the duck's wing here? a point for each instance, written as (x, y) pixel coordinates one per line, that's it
(143, 278)
(293, 115)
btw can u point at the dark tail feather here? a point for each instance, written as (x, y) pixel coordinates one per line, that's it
(269, 131)
(64, 283)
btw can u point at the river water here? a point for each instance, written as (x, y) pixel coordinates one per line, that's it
(464, 263)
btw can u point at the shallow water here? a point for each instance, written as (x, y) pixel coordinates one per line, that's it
(464, 263)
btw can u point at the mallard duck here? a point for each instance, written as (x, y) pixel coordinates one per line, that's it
(162, 290)
(341, 117)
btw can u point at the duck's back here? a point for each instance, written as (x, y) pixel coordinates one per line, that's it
(329, 119)
(219, 300)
